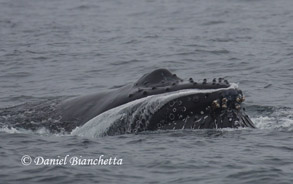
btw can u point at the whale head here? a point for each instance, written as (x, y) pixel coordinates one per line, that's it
(160, 100)
(190, 104)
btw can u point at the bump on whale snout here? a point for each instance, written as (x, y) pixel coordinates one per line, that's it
(158, 78)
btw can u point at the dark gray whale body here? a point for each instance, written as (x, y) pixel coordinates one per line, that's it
(205, 105)
(220, 108)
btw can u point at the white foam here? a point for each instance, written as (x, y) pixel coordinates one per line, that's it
(100, 124)
(40, 131)
(280, 119)
(9, 130)
(12, 130)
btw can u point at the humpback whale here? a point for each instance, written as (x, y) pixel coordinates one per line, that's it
(159, 100)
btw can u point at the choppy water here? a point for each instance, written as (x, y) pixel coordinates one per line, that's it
(67, 48)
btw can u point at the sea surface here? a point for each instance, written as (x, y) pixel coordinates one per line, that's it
(65, 48)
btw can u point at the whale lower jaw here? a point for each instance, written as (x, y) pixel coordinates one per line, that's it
(219, 109)
(207, 118)
(185, 109)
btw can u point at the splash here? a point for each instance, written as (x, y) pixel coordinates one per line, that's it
(279, 119)
(12, 130)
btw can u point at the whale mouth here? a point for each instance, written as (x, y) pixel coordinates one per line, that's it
(183, 109)
(217, 109)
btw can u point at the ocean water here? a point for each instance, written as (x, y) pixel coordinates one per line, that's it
(64, 48)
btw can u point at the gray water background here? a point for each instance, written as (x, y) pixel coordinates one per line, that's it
(66, 48)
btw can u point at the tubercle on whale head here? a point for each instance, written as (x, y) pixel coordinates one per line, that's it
(158, 78)
(163, 77)
(162, 81)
